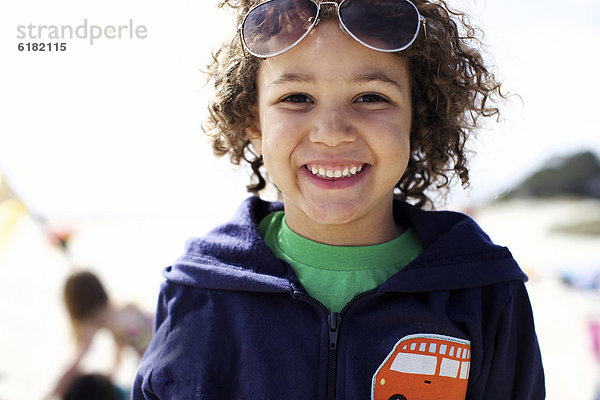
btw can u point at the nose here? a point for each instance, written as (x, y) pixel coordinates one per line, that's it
(333, 127)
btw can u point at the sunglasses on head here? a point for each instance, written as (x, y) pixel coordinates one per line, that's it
(275, 26)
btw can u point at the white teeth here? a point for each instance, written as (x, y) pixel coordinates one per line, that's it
(334, 173)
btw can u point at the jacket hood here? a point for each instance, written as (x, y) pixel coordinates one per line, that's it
(456, 254)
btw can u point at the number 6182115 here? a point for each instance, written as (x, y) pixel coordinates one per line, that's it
(50, 46)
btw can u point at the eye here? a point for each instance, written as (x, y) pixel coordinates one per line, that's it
(296, 98)
(371, 98)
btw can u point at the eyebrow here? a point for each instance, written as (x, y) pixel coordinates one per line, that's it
(292, 77)
(376, 75)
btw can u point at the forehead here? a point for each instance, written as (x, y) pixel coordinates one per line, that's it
(327, 54)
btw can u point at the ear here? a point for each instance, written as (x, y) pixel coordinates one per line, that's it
(254, 134)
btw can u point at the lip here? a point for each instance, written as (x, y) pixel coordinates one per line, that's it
(340, 183)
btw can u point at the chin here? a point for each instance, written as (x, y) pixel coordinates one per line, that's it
(333, 214)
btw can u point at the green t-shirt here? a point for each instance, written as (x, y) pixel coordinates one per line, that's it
(333, 275)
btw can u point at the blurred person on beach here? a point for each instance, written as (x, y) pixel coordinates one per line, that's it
(94, 387)
(91, 310)
(351, 287)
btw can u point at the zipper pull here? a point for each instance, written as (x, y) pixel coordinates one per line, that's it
(333, 320)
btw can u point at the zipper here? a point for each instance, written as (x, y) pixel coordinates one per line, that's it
(355, 299)
(334, 320)
(333, 325)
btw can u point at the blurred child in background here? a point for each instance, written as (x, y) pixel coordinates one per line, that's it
(94, 387)
(91, 310)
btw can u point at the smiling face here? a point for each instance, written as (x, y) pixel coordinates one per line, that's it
(333, 127)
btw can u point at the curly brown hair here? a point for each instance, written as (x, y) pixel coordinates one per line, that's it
(452, 89)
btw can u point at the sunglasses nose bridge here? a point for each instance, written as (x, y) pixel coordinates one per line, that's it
(335, 10)
(328, 3)
(322, 12)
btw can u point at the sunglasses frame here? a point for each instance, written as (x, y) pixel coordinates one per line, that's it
(421, 20)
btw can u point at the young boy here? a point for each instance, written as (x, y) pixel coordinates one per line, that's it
(345, 290)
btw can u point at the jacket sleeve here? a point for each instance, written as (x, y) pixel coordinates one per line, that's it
(142, 385)
(512, 363)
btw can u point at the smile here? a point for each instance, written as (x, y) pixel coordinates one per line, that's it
(334, 173)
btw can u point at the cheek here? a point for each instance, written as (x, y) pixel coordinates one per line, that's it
(393, 148)
(283, 132)
(392, 134)
(277, 148)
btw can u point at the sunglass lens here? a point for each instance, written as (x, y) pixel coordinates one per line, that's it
(276, 25)
(389, 25)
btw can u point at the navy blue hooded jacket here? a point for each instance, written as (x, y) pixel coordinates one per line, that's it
(233, 322)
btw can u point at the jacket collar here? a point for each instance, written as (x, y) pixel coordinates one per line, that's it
(456, 254)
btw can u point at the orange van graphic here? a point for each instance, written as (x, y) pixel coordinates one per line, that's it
(424, 367)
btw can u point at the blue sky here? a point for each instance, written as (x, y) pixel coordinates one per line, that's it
(114, 128)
